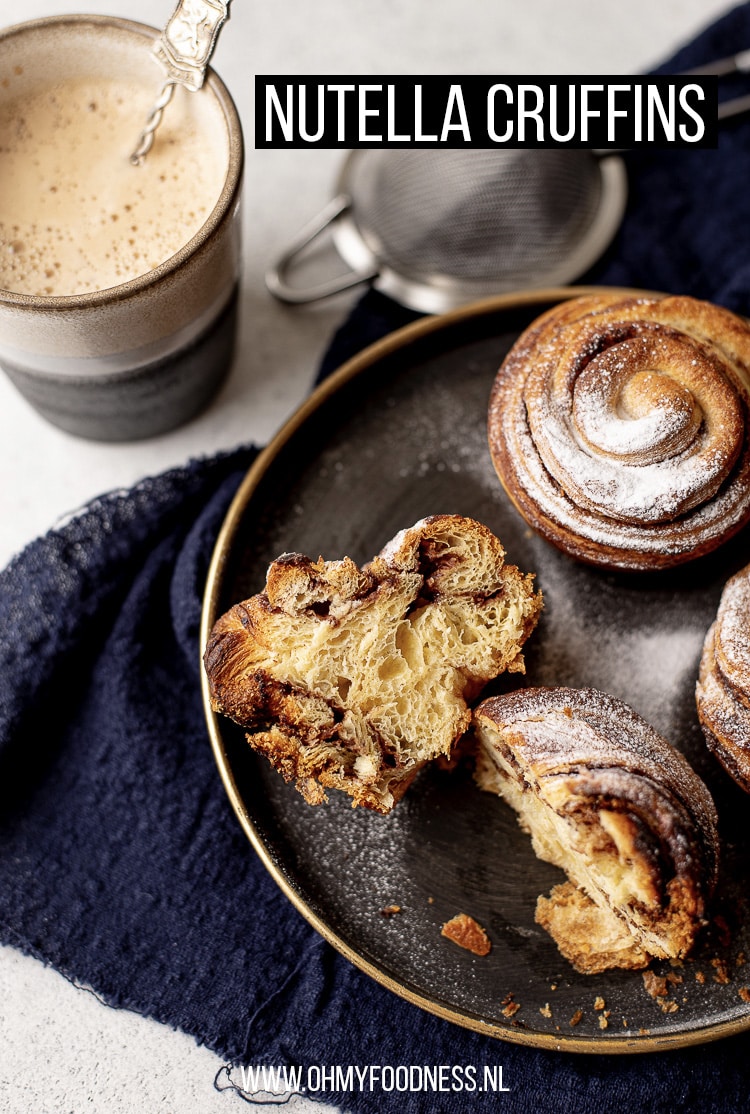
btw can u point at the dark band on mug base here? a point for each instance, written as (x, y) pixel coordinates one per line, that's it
(132, 405)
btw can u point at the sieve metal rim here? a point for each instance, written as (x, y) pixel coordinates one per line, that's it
(435, 292)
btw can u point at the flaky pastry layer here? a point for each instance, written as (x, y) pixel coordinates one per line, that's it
(353, 678)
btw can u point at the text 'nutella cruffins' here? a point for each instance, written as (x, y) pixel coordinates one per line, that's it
(608, 800)
(723, 690)
(620, 428)
(353, 678)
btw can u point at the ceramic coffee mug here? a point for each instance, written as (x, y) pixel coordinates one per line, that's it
(118, 320)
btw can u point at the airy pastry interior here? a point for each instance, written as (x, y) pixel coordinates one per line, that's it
(356, 677)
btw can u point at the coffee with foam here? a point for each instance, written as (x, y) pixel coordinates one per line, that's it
(75, 215)
(118, 284)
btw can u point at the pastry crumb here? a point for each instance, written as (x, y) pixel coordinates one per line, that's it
(655, 984)
(603, 1022)
(722, 975)
(464, 931)
(700, 977)
(390, 910)
(545, 1010)
(667, 1005)
(599, 1003)
(576, 1018)
(510, 1009)
(744, 993)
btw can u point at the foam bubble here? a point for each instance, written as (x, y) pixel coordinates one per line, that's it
(68, 190)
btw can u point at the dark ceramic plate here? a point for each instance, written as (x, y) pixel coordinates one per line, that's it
(396, 434)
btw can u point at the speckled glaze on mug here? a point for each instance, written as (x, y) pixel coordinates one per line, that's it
(144, 356)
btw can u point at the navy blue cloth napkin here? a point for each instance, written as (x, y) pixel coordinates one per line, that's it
(121, 862)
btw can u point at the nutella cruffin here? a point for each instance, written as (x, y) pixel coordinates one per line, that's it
(352, 678)
(723, 689)
(619, 427)
(608, 800)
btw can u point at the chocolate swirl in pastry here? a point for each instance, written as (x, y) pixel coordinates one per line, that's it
(353, 678)
(608, 800)
(723, 689)
(620, 428)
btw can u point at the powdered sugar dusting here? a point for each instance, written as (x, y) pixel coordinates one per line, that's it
(648, 428)
(593, 739)
(723, 691)
(623, 435)
(645, 661)
(671, 423)
(734, 632)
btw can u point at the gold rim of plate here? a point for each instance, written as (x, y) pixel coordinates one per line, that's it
(394, 341)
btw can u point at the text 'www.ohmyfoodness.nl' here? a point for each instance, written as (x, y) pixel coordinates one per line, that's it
(281, 1082)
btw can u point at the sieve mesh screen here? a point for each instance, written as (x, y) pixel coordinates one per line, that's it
(498, 217)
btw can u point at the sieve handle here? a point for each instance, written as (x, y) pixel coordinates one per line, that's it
(276, 276)
(738, 63)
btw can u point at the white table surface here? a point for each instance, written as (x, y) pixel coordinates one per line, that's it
(60, 1049)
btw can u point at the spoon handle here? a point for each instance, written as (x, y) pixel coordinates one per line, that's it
(183, 50)
(188, 40)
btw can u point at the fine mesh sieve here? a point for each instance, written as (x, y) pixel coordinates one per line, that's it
(434, 229)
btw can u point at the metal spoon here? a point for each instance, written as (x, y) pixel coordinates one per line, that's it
(183, 51)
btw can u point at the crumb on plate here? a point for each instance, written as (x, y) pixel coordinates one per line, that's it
(464, 931)
(655, 984)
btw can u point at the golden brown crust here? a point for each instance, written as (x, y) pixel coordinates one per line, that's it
(352, 678)
(608, 800)
(620, 428)
(723, 689)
